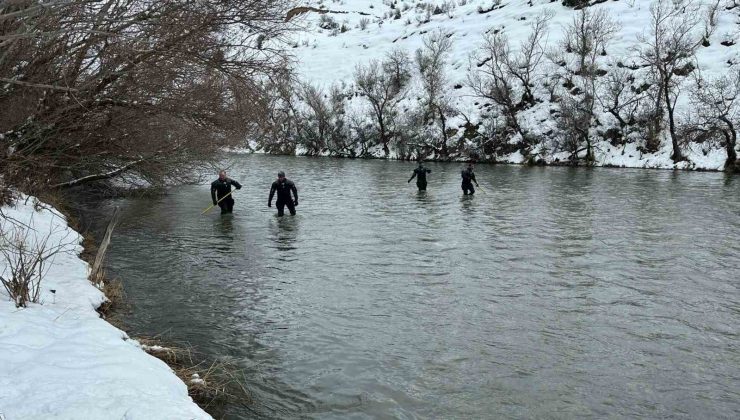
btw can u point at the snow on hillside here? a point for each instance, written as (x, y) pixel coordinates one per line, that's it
(59, 359)
(370, 29)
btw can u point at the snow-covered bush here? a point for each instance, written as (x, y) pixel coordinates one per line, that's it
(328, 22)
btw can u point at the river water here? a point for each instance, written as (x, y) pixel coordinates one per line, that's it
(552, 293)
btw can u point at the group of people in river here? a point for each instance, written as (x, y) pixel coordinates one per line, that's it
(287, 193)
(221, 193)
(467, 174)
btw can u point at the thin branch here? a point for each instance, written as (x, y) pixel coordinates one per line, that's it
(98, 177)
(37, 85)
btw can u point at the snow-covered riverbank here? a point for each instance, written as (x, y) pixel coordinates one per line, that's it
(335, 116)
(59, 359)
(627, 156)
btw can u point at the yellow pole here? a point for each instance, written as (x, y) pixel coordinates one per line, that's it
(214, 205)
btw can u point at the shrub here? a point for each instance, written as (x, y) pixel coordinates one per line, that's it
(24, 258)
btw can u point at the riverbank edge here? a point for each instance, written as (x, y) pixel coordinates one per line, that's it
(206, 381)
(713, 161)
(105, 311)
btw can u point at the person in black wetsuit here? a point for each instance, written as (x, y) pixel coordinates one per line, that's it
(283, 186)
(221, 187)
(468, 177)
(420, 173)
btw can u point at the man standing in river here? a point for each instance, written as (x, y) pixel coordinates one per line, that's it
(468, 177)
(220, 188)
(283, 186)
(420, 173)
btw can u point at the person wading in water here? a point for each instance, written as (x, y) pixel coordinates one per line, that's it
(420, 173)
(468, 177)
(283, 186)
(222, 187)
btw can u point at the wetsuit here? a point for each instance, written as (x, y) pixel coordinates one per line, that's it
(220, 188)
(283, 189)
(420, 174)
(468, 177)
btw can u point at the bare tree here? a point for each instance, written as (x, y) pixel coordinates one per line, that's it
(506, 78)
(321, 126)
(276, 126)
(716, 103)
(398, 64)
(361, 136)
(523, 65)
(315, 124)
(430, 63)
(339, 136)
(669, 50)
(494, 83)
(153, 86)
(619, 97)
(379, 88)
(586, 38)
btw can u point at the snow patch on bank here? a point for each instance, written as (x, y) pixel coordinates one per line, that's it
(59, 359)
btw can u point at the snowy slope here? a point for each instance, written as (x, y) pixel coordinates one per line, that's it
(328, 57)
(60, 360)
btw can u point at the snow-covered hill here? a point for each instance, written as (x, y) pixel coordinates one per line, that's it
(351, 33)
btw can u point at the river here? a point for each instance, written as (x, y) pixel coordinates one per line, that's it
(551, 293)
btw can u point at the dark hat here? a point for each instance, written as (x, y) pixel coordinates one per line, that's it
(281, 174)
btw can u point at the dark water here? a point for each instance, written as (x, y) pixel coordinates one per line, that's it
(555, 293)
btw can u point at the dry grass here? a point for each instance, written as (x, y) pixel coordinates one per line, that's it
(210, 383)
(111, 310)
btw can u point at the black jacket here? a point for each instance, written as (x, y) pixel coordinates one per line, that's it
(468, 176)
(283, 190)
(421, 172)
(220, 188)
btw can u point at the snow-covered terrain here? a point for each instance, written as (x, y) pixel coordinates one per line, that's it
(59, 359)
(364, 30)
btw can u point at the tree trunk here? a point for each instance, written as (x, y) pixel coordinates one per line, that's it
(730, 143)
(383, 137)
(443, 122)
(381, 126)
(676, 156)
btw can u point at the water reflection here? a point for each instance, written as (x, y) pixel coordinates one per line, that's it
(284, 232)
(224, 226)
(467, 204)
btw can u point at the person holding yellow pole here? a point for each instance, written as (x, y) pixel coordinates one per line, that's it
(221, 192)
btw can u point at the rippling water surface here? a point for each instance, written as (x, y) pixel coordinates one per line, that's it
(553, 293)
